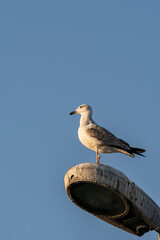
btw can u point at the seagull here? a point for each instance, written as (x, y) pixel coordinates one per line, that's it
(98, 138)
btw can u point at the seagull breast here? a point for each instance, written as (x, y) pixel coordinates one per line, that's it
(86, 139)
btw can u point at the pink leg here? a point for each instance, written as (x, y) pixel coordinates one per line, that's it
(97, 156)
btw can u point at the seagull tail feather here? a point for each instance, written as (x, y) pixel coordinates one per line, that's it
(138, 151)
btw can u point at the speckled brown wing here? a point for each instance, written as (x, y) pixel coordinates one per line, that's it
(107, 138)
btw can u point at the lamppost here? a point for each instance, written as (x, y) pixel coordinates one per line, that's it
(109, 195)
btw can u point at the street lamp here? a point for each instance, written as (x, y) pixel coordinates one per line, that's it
(109, 195)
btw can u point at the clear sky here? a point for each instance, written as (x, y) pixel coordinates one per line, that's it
(56, 55)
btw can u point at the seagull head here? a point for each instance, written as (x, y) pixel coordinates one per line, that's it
(82, 109)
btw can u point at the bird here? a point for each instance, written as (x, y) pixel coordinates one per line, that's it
(98, 139)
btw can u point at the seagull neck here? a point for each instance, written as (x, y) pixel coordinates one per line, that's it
(85, 119)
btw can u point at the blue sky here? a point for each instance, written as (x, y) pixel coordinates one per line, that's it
(56, 55)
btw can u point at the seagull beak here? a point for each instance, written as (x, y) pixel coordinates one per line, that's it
(74, 112)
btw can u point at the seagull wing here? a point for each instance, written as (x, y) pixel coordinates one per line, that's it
(107, 138)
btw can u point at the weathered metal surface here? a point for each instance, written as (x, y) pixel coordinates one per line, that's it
(139, 212)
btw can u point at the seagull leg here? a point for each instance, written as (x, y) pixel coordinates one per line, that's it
(97, 156)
